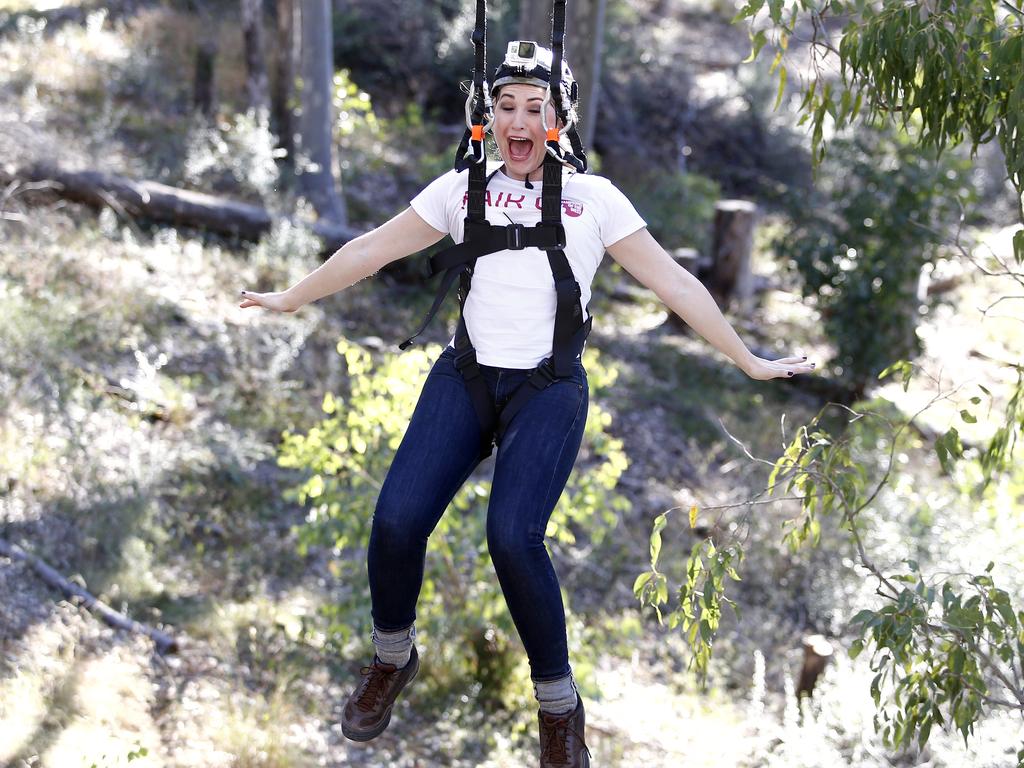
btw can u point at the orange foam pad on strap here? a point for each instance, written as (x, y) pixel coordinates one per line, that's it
(478, 133)
(552, 134)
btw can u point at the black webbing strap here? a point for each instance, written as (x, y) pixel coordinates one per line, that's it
(577, 158)
(481, 99)
(461, 162)
(557, 42)
(465, 352)
(442, 292)
(459, 259)
(542, 377)
(469, 369)
(568, 313)
(480, 47)
(482, 239)
(477, 191)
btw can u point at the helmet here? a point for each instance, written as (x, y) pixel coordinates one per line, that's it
(529, 63)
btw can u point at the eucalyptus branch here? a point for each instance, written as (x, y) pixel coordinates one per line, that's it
(992, 665)
(1001, 298)
(1012, 9)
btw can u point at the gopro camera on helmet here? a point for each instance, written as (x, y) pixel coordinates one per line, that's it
(521, 53)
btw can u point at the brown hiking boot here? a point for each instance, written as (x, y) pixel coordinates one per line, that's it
(561, 739)
(368, 710)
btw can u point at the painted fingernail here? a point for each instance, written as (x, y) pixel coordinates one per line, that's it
(790, 373)
(804, 357)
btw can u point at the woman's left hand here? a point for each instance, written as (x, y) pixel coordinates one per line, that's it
(785, 367)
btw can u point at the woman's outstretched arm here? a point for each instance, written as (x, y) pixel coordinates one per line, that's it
(403, 235)
(642, 256)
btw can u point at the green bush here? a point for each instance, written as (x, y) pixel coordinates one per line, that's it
(887, 208)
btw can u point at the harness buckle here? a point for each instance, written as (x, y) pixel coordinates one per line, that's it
(514, 237)
(466, 363)
(546, 372)
(560, 240)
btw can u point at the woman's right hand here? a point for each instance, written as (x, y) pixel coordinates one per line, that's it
(279, 301)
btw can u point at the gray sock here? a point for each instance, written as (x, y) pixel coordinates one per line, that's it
(394, 647)
(557, 697)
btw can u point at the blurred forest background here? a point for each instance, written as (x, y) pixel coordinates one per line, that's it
(210, 472)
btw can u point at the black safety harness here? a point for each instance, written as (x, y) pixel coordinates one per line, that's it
(482, 238)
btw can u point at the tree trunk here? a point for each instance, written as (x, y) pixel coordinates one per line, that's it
(204, 86)
(255, 63)
(284, 81)
(584, 47)
(584, 33)
(315, 135)
(535, 21)
(732, 242)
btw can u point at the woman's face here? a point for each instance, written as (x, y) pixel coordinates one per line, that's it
(518, 130)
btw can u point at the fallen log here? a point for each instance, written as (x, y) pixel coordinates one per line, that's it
(165, 643)
(159, 202)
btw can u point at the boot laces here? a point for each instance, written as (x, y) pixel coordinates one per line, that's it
(556, 730)
(375, 686)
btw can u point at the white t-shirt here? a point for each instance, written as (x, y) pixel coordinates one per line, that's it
(510, 312)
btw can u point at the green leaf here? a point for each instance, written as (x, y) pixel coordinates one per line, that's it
(863, 617)
(757, 42)
(749, 10)
(642, 579)
(659, 523)
(782, 87)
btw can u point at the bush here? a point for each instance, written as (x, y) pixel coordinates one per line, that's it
(887, 208)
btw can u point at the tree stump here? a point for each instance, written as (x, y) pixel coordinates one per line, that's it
(817, 652)
(687, 258)
(732, 241)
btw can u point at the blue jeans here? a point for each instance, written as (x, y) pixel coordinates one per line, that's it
(531, 466)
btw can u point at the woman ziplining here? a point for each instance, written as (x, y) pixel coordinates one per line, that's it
(511, 381)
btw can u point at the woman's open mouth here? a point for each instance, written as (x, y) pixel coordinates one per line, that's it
(519, 149)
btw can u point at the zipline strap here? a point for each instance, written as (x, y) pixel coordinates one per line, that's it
(557, 41)
(479, 111)
(480, 46)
